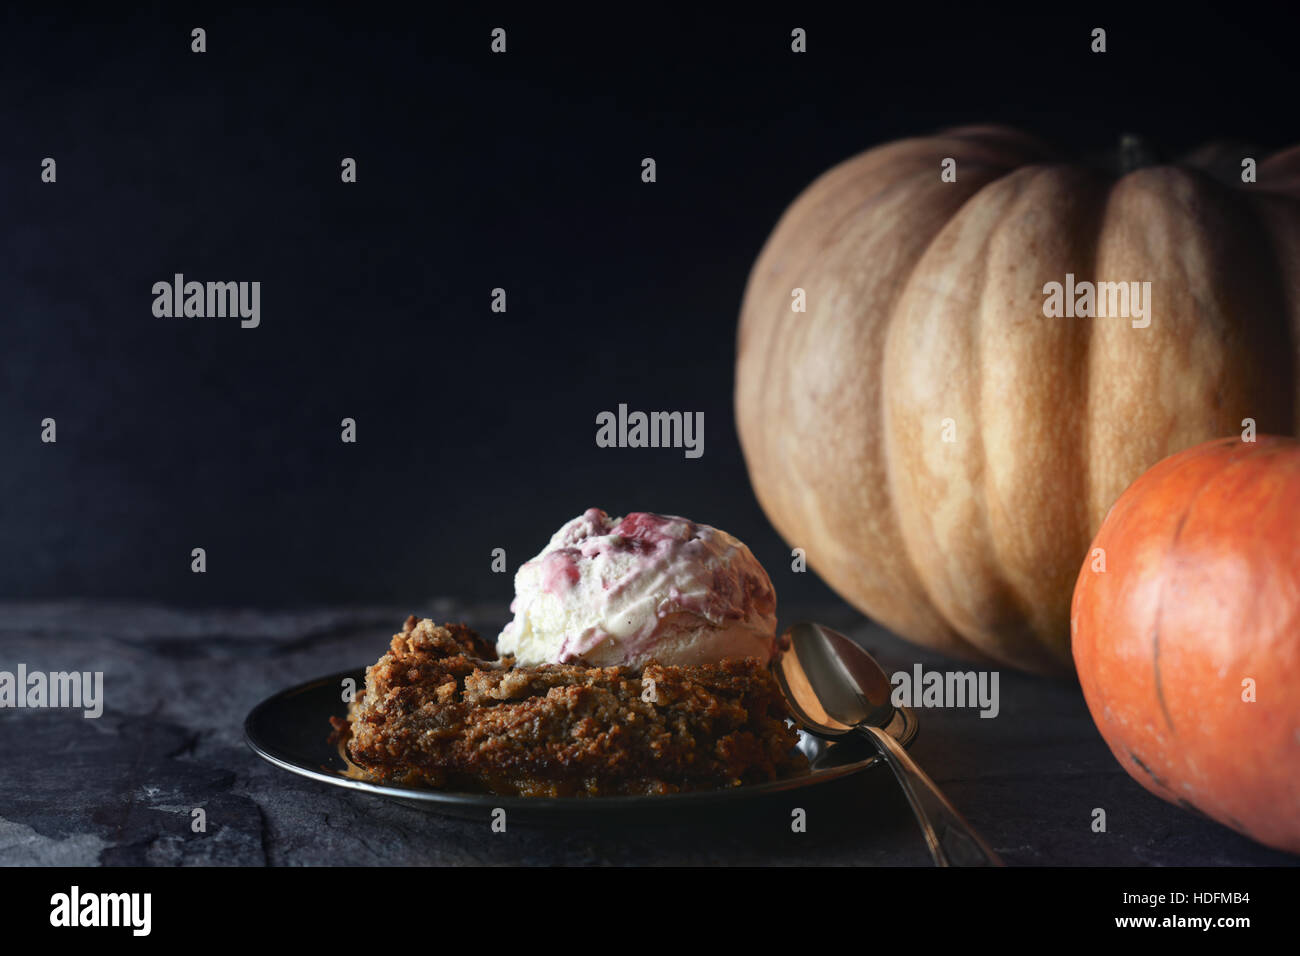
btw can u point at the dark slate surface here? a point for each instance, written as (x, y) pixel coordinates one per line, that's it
(178, 684)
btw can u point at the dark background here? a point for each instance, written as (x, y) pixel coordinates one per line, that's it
(476, 430)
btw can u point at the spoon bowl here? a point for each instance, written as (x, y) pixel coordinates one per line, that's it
(831, 683)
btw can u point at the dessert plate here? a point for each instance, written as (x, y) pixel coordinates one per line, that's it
(291, 730)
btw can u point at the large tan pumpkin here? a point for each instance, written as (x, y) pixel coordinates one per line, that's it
(942, 450)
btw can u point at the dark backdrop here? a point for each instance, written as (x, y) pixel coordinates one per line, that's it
(476, 430)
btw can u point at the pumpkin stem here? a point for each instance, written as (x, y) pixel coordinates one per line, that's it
(1135, 153)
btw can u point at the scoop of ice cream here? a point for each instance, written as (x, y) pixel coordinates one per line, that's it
(623, 591)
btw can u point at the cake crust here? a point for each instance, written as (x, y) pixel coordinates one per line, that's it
(437, 711)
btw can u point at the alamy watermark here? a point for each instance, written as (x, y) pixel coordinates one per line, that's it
(634, 429)
(1087, 300)
(209, 300)
(56, 689)
(922, 688)
(75, 908)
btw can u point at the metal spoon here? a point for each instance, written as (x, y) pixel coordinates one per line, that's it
(835, 688)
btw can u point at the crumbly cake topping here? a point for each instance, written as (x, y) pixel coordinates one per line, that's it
(438, 711)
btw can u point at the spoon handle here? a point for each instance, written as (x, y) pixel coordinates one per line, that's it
(950, 838)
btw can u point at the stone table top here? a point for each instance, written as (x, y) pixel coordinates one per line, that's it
(178, 684)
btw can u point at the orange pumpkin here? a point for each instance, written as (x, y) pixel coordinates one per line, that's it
(1187, 644)
(941, 448)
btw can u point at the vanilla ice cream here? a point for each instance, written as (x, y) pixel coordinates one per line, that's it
(623, 591)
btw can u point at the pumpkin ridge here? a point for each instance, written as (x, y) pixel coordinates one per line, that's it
(1155, 643)
(967, 218)
(899, 501)
(1090, 380)
(959, 641)
(1030, 168)
(1235, 458)
(1001, 576)
(1020, 646)
(968, 646)
(1081, 216)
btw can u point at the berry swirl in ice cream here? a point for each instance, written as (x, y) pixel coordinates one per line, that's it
(624, 591)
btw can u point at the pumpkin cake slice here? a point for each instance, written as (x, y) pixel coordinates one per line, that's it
(436, 712)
